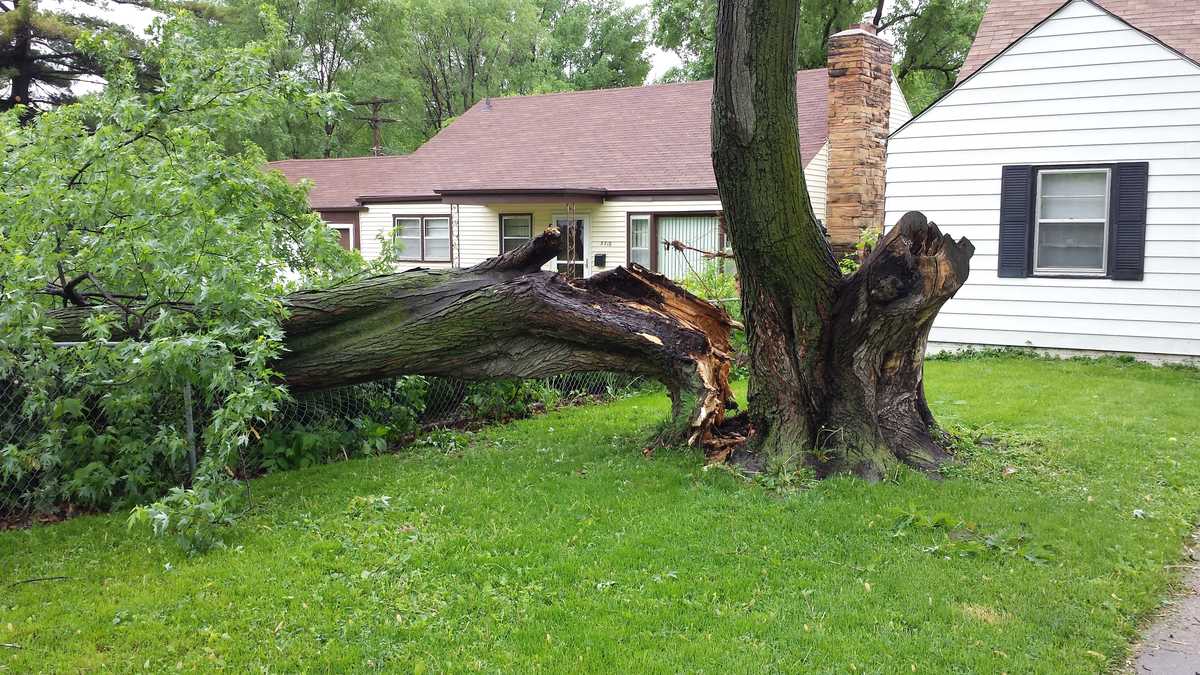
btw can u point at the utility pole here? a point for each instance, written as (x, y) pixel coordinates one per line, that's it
(376, 122)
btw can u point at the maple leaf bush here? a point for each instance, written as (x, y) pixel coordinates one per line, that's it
(135, 200)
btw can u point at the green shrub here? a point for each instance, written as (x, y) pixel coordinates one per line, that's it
(357, 421)
(714, 284)
(867, 240)
(506, 399)
(195, 518)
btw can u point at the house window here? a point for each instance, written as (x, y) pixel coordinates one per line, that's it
(423, 238)
(697, 233)
(515, 231)
(1071, 225)
(639, 240)
(1076, 221)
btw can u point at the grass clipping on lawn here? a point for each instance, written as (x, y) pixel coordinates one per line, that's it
(556, 544)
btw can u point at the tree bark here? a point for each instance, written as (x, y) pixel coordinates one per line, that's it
(836, 362)
(507, 318)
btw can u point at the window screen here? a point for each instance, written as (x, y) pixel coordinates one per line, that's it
(408, 238)
(639, 240)
(515, 231)
(437, 239)
(1072, 221)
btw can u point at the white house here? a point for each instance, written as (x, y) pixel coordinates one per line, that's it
(1069, 153)
(633, 166)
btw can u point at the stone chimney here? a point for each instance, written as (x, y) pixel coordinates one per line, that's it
(860, 98)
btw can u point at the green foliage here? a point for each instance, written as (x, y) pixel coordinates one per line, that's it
(597, 44)
(688, 28)
(507, 399)
(932, 45)
(932, 38)
(560, 526)
(867, 239)
(386, 416)
(41, 63)
(195, 519)
(128, 200)
(428, 61)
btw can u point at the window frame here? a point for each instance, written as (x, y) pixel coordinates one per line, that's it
(514, 215)
(585, 265)
(722, 239)
(652, 230)
(1035, 231)
(423, 218)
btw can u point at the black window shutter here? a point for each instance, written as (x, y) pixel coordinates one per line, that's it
(1016, 216)
(1127, 248)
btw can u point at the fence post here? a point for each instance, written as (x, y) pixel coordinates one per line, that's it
(191, 429)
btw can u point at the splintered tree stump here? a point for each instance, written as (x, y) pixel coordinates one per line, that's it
(878, 334)
(507, 318)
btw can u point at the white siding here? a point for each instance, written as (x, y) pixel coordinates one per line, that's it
(1082, 88)
(479, 226)
(900, 112)
(608, 225)
(815, 176)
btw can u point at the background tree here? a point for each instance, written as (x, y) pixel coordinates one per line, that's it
(431, 60)
(40, 63)
(597, 44)
(331, 46)
(460, 51)
(688, 28)
(932, 37)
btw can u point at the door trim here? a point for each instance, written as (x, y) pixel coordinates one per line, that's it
(587, 234)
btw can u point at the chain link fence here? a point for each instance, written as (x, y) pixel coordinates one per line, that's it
(85, 458)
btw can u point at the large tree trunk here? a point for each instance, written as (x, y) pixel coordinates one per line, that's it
(507, 318)
(836, 363)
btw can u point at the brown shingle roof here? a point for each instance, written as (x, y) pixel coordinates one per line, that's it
(620, 140)
(1176, 23)
(338, 183)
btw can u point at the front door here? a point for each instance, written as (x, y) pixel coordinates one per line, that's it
(571, 253)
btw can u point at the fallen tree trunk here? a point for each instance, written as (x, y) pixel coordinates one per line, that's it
(506, 317)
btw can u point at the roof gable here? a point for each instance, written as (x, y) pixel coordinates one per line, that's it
(1175, 23)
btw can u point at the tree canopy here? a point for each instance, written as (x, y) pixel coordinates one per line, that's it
(932, 37)
(40, 63)
(404, 68)
(416, 65)
(129, 199)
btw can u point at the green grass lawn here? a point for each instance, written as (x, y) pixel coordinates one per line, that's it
(552, 544)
